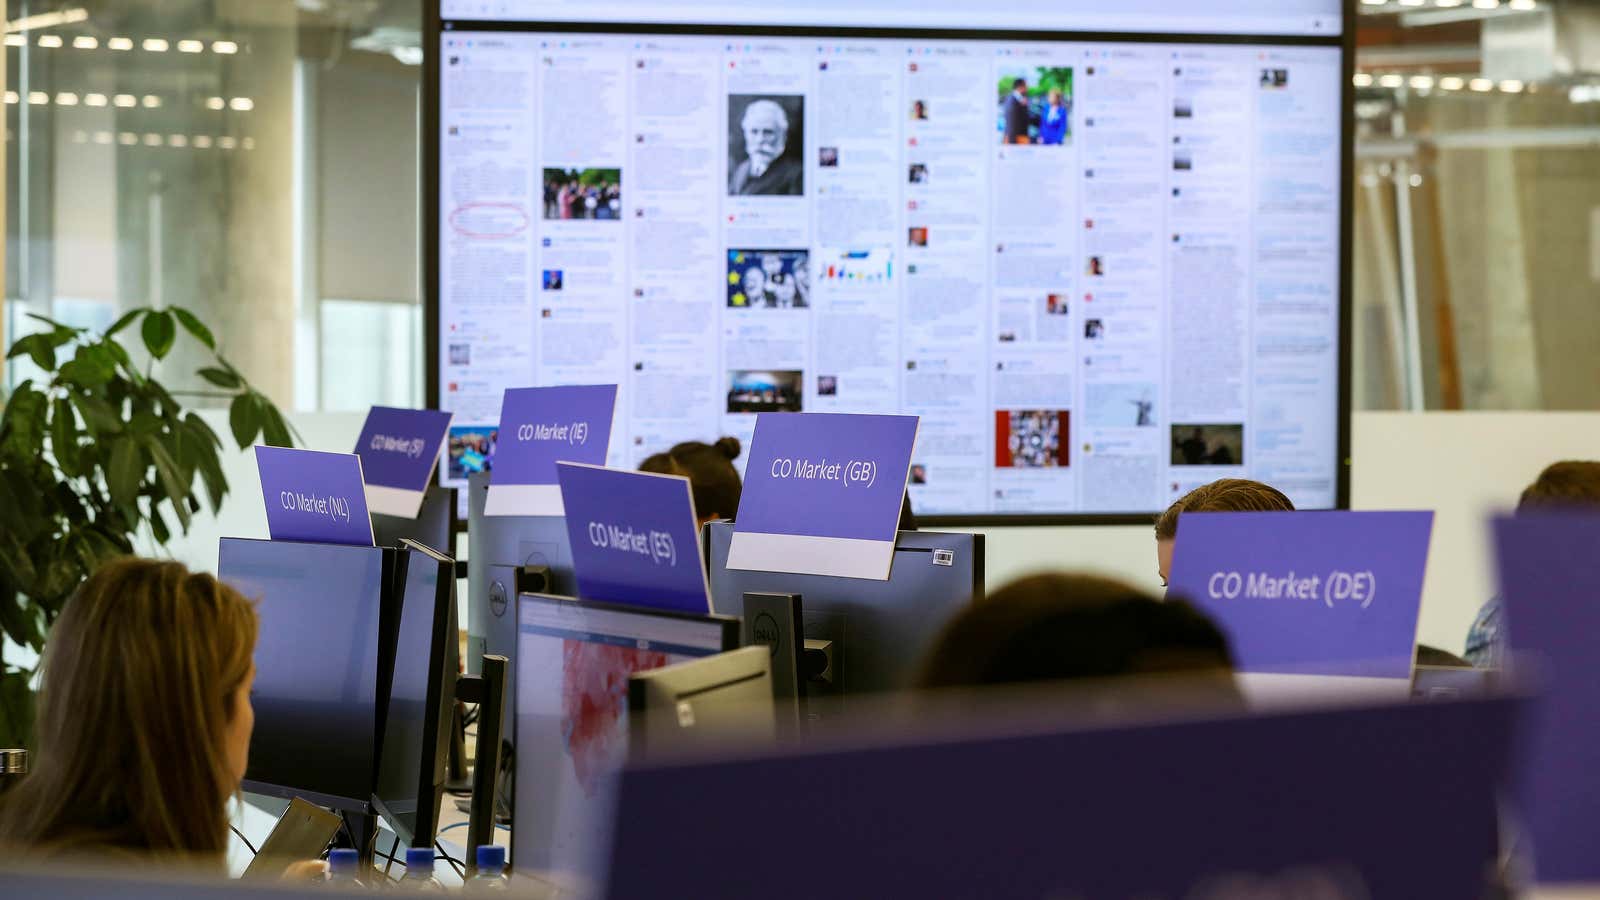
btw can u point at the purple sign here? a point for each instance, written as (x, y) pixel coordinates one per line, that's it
(314, 496)
(1320, 804)
(822, 494)
(634, 538)
(1549, 569)
(398, 449)
(540, 427)
(1309, 593)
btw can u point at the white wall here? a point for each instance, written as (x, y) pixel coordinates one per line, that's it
(1462, 465)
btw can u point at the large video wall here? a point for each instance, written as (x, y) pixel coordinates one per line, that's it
(1101, 268)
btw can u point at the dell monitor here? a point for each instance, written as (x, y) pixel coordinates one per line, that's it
(318, 657)
(878, 630)
(411, 762)
(572, 666)
(701, 701)
(434, 525)
(507, 556)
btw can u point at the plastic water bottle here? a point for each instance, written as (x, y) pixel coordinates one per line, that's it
(491, 875)
(419, 872)
(344, 868)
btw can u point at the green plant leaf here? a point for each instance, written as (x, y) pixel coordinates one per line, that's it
(158, 527)
(64, 436)
(177, 492)
(63, 332)
(159, 333)
(16, 708)
(126, 471)
(22, 422)
(16, 561)
(99, 415)
(222, 378)
(198, 425)
(19, 620)
(90, 368)
(275, 431)
(37, 347)
(204, 445)
(194, 326)
(125, 320)
(245, 419)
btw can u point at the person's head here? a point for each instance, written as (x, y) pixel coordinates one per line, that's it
(766, 130)
(144, 718)
(713, 481)
(1573, 484)
(1226, 495)
(754, 282)
(1019, 85)
(1055, 96)
(1062, 626)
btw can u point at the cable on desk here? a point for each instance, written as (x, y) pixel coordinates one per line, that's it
(454, 863)
(393, 848)
(246, 840)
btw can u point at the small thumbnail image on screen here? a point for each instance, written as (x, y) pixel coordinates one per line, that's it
(1031, 438)
(1208, 445)
(1035, 105)
(583, 194)
(765, 390)
(769, 279)
(470, 449)
(1274, 79)
(766, 137)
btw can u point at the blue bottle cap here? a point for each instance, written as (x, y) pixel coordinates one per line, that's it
(343, 859)
(419, 858)
(491, 858)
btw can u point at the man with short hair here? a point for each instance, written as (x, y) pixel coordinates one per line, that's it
(767, 168)
(1018, 116)
(1573, 484)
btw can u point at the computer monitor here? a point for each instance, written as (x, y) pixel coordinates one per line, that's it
(499, 548)
(702, 701)
(1309, 803)
(434, 525)
(572, 666)
(1451, 682)
(879, 629)
(318, 664)
(411, 762)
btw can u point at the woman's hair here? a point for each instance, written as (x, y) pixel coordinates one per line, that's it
(1573, 484)
(1062, 626)
(713, 480)
(137, 692)
(1226, 495)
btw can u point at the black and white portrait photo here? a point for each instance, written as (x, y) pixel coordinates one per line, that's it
(765, 141)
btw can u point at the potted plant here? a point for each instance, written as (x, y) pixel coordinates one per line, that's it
(93, 453)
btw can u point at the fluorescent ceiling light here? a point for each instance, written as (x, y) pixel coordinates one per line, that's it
(49, 19)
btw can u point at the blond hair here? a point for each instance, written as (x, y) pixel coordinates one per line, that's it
(137, 692)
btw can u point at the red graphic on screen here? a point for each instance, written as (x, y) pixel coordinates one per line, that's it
(594, 693)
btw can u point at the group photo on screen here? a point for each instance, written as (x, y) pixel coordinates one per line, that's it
(470, 449)
(1035, 105)
(1031, 438)
(1208, 445)
(769, 279)
(765, 390)
(582, 194)
(766, 137)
